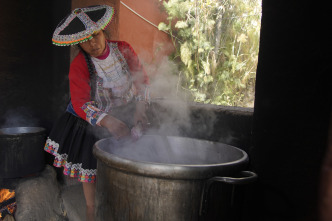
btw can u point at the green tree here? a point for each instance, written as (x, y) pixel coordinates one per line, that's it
(217, 44)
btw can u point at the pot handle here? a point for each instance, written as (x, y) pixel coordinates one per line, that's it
(247, 177)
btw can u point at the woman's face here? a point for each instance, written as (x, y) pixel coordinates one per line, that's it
(95, 46)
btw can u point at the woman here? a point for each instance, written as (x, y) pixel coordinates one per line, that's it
(109, 95)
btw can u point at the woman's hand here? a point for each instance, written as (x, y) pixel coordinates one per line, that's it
(115, 126)
(140, 114)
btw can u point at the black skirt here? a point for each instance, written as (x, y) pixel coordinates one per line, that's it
(71, 142)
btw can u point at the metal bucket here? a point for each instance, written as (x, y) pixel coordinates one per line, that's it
(21, 151)
(162, 178)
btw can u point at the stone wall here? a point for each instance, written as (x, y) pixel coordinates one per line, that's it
(229, 125)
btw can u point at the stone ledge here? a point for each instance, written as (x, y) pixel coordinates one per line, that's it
(74, 202)
(43, 198)
(38, 198)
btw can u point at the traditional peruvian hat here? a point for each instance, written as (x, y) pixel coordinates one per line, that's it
(81, 23)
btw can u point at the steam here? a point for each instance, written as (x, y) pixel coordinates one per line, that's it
(20, 117)
(174, 114)
(171, 112)
(165, 82)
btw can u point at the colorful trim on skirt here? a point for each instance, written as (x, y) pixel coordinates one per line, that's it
(74, 170)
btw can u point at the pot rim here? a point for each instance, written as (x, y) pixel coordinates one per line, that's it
(5, 131)
(170, 171)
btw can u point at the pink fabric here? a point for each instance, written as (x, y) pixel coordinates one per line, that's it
(107, 52)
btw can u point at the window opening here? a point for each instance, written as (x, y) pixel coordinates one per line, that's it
(216, 49)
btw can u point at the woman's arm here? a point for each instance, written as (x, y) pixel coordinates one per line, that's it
(79, 78)
(141, 82)
(79, 81)
(115, 126)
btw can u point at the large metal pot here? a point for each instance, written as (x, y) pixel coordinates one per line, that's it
(162, 177)
(21, 151)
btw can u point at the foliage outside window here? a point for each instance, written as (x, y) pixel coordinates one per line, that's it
(216, 44)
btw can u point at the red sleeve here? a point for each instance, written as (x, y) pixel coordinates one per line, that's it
(79, 82)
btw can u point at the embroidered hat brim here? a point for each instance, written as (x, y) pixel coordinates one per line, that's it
(81, 23)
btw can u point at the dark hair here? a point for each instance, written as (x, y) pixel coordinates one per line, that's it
(91, 67)
(107, 34)
(92, 71)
